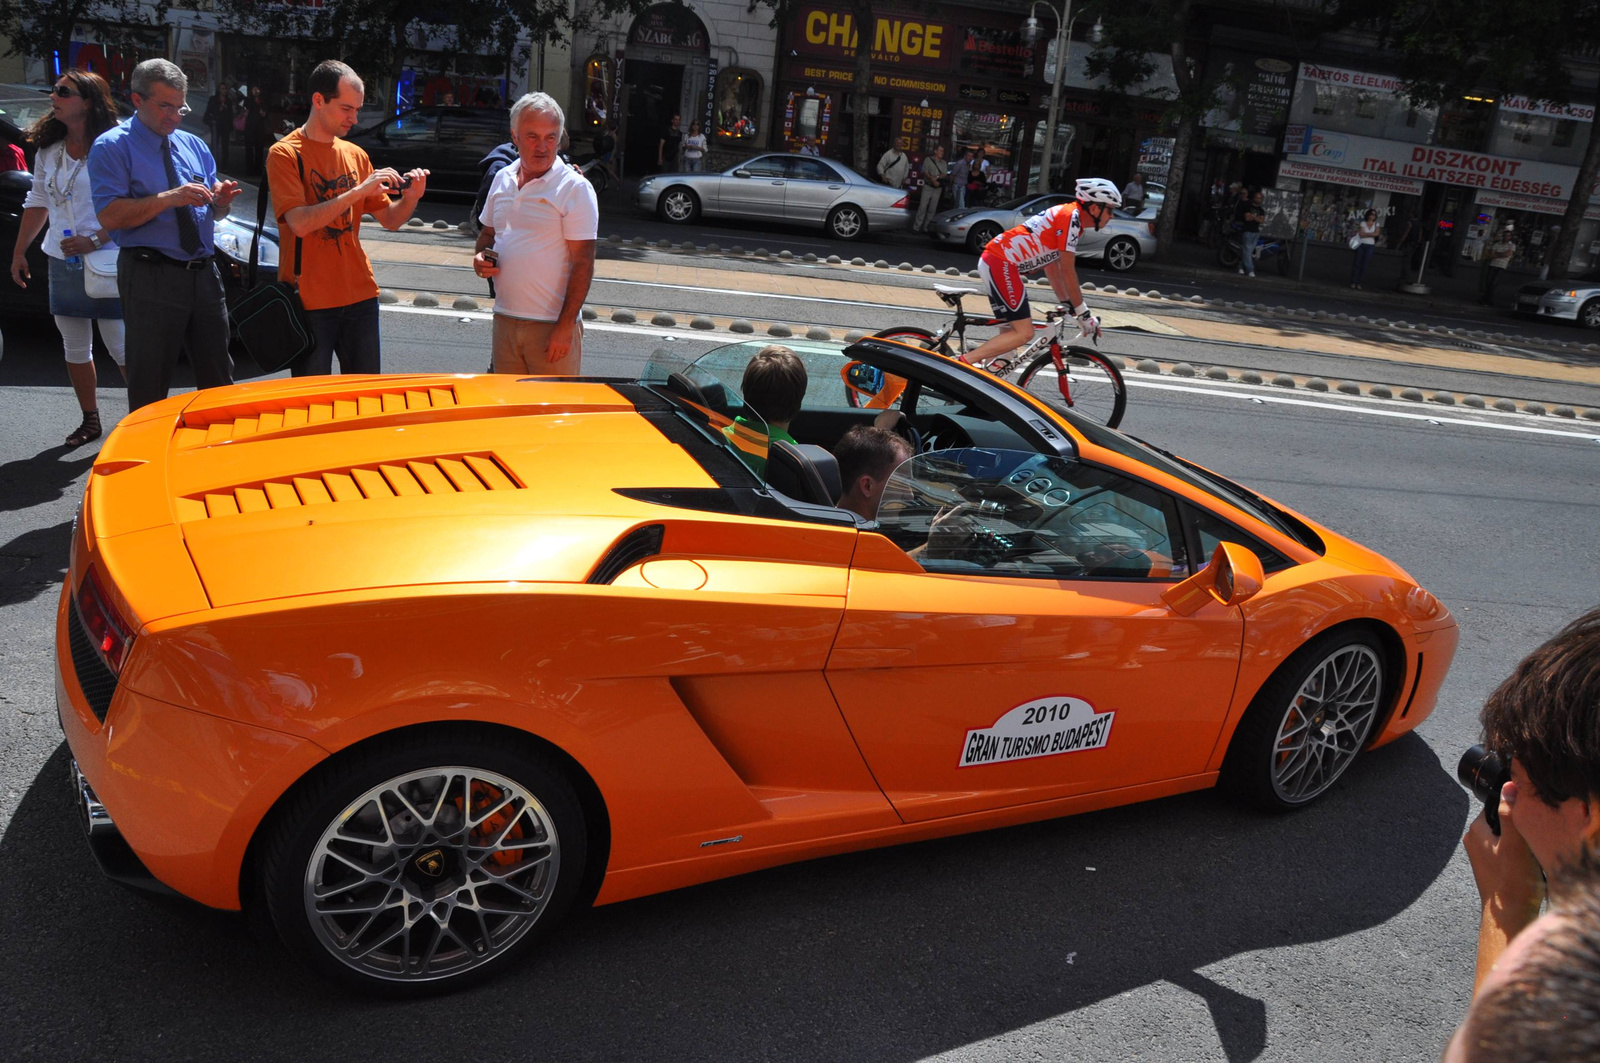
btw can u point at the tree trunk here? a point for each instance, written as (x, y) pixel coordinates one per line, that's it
(1561, 254)
(1167, 219)
(861, 89)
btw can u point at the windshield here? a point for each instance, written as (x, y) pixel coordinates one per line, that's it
(1176, 467)
(712, 404)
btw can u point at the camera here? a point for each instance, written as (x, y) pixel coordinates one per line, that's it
(1484, 772)
(405, 183)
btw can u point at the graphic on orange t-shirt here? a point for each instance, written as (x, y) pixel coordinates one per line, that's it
(334, 270)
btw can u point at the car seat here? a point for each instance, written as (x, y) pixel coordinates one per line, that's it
(804, 472)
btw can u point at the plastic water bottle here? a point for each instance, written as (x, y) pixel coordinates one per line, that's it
(73, 261)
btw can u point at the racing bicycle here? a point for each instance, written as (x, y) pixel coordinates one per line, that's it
(1078, 377)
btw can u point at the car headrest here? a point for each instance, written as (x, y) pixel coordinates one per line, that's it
(804, 472)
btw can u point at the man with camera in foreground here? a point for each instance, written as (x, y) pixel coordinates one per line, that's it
(1541, 731)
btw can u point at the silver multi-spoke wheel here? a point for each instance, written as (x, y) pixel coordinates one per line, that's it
(431, 874)
(679, 205)
(1326, 723)
(1122, 253)
(846, 223)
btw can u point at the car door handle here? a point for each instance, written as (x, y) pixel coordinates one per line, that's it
(777, 182)
(834, 188)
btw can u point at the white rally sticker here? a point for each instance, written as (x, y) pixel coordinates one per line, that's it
(1040, 728)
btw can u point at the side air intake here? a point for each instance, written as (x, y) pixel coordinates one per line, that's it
(636, 546)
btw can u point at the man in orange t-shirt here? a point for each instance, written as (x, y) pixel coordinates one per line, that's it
(321, 185)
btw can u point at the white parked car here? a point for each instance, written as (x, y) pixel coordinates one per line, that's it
(1125, 239)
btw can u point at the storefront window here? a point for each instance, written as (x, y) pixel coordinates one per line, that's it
(599, 89)
(738, 101)
(997, 138)
(1329, 212)
(1060, 152)
(1537, 138)
(806, 118)
(1366, 111)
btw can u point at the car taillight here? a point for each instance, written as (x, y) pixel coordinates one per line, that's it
(1151, 226)
(899, 204)
(111, 635)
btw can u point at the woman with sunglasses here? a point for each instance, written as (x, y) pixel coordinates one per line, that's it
(80, 110)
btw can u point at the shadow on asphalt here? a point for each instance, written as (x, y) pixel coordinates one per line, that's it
(33, 563)
(44, 477)
(890, 955)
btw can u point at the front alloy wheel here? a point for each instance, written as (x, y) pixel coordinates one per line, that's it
(1308, 722)
(422, 878)
(679, 205)
(1589, 314)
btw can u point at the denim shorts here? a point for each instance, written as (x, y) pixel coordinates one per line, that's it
(67, 298)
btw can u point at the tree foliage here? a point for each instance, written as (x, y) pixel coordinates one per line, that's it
(38, 27)
(376, 34)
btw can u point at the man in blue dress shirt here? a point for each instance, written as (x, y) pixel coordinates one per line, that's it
(157, 187)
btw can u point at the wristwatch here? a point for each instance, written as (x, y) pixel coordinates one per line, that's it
(94, 238)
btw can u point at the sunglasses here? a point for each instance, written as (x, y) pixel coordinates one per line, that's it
(64, 91)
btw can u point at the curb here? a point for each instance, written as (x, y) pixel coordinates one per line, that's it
(1409, 394)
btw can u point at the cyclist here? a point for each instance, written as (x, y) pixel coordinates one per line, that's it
(1048, 239)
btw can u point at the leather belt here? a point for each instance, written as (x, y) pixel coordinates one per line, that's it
(150, 254)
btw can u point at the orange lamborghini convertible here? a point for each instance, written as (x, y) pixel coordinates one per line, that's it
(417, 663)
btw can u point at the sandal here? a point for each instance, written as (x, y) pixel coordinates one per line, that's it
(88, 431)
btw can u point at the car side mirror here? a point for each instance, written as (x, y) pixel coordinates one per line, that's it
(741, 173)
(1232, 578)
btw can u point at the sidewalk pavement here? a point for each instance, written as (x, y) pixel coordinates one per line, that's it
(1327, 273)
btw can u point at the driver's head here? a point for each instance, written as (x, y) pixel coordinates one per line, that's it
(1542, 1000)
(775, 384)
(867, 455)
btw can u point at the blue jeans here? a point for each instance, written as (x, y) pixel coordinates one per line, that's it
(1358, 269)
(1247, 252)
(351, 332)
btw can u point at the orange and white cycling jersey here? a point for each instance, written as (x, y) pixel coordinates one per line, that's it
(1039, 240)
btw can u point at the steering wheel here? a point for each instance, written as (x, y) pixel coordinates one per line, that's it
(897, 422)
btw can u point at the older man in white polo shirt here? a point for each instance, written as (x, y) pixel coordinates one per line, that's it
(540, 219)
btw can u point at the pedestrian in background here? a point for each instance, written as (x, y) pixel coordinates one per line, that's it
(893, 165)
(1496, 259)
(219, 119)
(960, 174)
(1365, 243)
(694, 148)
(605, 146)
(1133, 193)
(667, 148)
(935, 172)
(321, 186)
(81, 109)
(540, 223)
(156, 186)
(1249, 214)
(256, 137)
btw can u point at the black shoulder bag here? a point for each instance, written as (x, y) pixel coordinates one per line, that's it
(270, 319)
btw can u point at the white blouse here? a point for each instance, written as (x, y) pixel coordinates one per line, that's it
(61, 185)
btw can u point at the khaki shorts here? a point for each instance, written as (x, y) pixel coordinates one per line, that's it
(519, 347)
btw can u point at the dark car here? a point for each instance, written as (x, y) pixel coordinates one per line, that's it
(232, 238)
(449, 141)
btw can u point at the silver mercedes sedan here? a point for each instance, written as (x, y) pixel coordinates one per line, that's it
(1123, 241)
(799, 189)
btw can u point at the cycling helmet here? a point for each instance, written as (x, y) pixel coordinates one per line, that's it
(1098, 190)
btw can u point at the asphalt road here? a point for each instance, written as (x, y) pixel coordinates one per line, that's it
(1186, 929)
(618, 214)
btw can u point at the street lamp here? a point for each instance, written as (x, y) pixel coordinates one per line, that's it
(1030, 34)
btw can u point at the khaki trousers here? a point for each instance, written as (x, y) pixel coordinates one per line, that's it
(519, 347)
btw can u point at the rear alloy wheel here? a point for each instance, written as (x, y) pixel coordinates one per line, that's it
(1122, 253)
(1589, 314)
(979, 235)
(678, 205)
(847, 222)
(1308, 722)
(410, 868)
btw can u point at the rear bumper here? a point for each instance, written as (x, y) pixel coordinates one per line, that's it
(887, 219)
(172, 796)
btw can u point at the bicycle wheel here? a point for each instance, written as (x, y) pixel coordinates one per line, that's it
(1094, 387)
(917, 337)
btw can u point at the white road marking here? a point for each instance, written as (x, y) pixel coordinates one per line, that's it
(1508, 422)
